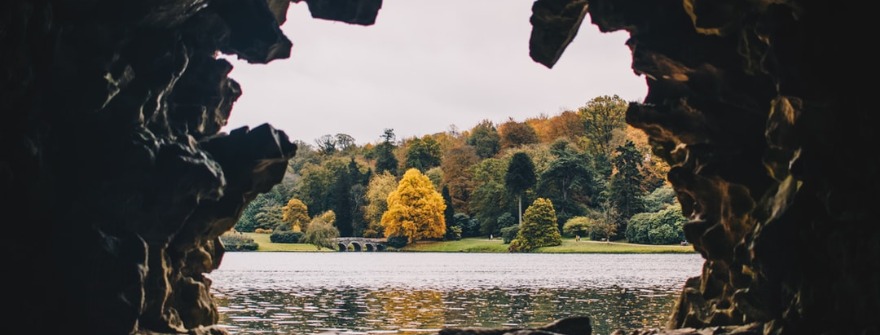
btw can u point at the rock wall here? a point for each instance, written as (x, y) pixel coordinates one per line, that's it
(757, 107)
(117, 180)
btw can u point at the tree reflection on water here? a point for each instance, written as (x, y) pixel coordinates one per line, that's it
(376, 293)
(410, 311)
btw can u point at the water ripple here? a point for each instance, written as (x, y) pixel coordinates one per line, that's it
(415, 293)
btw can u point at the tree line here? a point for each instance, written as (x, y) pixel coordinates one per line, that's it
(589, 169)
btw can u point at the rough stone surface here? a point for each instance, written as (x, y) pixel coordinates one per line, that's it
(117, 181)
(554, 25)
(361, 12)
(112, 161)
(770, 140)
(566, 326)
(750, 329)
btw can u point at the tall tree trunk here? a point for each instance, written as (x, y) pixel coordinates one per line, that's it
(519, 211)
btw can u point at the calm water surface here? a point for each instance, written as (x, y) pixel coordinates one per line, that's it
(408, 293)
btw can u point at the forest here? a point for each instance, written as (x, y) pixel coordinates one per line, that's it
(587, 173)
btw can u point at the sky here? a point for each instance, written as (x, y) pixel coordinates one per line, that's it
(423, 66)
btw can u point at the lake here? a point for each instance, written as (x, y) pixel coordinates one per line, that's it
(411, 293)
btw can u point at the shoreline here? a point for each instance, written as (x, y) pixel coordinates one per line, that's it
(496, 245)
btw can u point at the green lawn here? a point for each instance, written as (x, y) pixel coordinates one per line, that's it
(463, 245)
(266, 245)
(568, 246)
(495, 245)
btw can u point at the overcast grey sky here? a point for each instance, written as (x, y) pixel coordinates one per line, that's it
(423, 66)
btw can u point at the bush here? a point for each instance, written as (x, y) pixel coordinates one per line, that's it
(237, 242)
(453, 233)
(509, 233)
(397, 241)
(506, 220)
(320, 234)
(285, 236)
(245, 224)
(660, 198)
(538, 229)
(516, 246)
(578, 225)
(664, 235)
(638, 227)
(663, 227)
(567, 209)
(469, 227)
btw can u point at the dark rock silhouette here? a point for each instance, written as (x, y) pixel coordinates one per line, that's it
(754, 107)
(118, 182)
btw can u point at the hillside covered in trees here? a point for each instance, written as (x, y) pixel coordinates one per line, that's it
(596, 173)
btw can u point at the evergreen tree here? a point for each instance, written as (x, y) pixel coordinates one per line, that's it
(568, 182)
(453, 231)
(385, 159)
(358, 204)
(269, 217)
(490, 199)
(449, 213)
(354, 173)
(356, 193)
(520, 177)
(539, 228)
(341, 199)
(603, 168)
(626, 185)
(314, 187)
(248, 222)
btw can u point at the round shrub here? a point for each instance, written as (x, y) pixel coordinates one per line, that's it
(664, 235)
(285, 236)
(663, 227)
(397, 241)
(238, 242)
(578, 225)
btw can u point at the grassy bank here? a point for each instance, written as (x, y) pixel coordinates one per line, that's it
(568, 246)
(267, 245)
(494, 245)
(463, 245)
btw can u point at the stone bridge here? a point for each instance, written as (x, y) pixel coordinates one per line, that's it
(360, 244)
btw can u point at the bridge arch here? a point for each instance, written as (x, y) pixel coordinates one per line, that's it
(360, 244)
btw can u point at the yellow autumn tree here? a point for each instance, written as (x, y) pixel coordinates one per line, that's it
(295, 215)
(415, 209)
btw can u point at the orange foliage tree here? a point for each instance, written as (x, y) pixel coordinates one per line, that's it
(415, 209)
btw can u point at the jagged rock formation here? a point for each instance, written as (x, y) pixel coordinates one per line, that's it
(755, 106)
(566, 326)
(117, 181)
